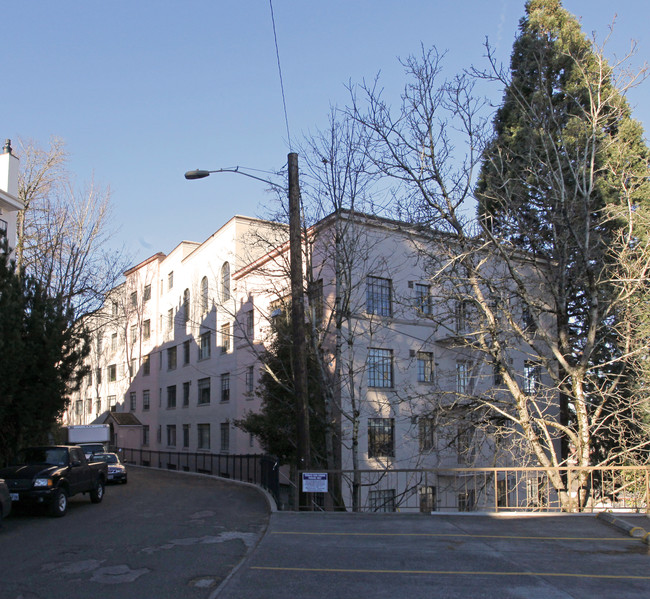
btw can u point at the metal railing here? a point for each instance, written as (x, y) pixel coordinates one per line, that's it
(257, 469)
(623, 488)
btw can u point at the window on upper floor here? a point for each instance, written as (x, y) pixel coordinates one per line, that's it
(170, 280)
(532, 377)
(225, 282)
(171, 358)
(204, 345)
(204, 295)
(112, 373)
(171, 397)
(426, 433)
(225, 337)
(381, 437)
(186, 305)
(423, 298)
(316, 302)
(379, 296)
(463, 372)
(146, 329)
(204, 391)
(134, 299)
(425, 367)
(146, 296)
(225, 386)
(380, 368)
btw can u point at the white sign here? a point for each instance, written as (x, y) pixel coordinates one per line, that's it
(314, 482)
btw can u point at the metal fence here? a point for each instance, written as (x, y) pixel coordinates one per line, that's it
(257, 469)
(594, 489)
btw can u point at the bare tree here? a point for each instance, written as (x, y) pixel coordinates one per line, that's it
(64, 232)
(505, 302)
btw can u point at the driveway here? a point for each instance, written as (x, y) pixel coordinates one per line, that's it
(164, 535)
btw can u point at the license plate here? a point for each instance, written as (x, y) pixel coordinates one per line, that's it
(14, 496)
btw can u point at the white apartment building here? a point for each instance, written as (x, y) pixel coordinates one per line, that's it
(177, 346)
(10, 205)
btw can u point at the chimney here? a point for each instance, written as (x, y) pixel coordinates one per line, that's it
(9, 171)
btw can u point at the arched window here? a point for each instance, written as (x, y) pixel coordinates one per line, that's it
(225, 282)
(204, 294)
(186, 305)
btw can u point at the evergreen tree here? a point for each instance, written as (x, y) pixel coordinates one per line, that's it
(42, 356)
(565, 179)
(275, 424)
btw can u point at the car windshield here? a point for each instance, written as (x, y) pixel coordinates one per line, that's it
(52, 456)
(109, 458)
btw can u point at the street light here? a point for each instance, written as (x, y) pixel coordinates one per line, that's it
(303, 444)
(201, 174)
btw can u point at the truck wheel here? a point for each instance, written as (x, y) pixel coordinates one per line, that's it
(59, 505)
(97, 494)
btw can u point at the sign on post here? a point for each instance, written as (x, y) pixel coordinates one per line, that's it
(314, 482)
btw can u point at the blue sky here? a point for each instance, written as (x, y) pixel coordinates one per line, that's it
(143, 90)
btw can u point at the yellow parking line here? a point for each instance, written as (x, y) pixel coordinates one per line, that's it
(450, 572)
(449, 534)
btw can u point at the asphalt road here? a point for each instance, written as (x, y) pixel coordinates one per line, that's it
(441, 556)
(163, 535)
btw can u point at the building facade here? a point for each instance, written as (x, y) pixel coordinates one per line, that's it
(10, 205)
(178, 345)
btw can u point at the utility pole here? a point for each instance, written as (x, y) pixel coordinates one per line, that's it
(298, 328)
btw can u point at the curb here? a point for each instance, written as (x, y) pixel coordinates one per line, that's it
(634, 531)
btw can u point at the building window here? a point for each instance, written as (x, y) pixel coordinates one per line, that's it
(79, 407)
(170, 319)
(204, 346)
(145, 435)
(462, 377)
(381, 437)
(464, 444)
(225, 338)
(171, 397)
(112, 373)
(225, 386)
(114, 342)
(425, 367)
(89, 405)
(186, 436)
(316, 302)
(171, 358)
(133, 367)
(466, 501)
(146, 329)
(147, 293)
(380, 368)
(170, 280)
(462, 313)
(250, 325)
(428, 502)
(98, 405)
(204, 391)
(204, 295)
(528, 321)
(423, 298)
(132, 401)
(378, 296)
(146, 366)
(186, 394)
(225, 437)
(250, 380)
(382, 500)
(186, 352)
(112, 403)
(134, 334)
(502, 493)
(171, 435)
(186, 305)
(100, 340)
(146, 400)
(114, 308)
(532, 377)
(536, 491)
(426, 433)
(203, 432)
(225, 282)
(134, 299)
(98, 375)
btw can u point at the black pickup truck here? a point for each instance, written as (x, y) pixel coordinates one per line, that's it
(50, 475)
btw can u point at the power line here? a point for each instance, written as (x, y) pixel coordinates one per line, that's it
(277, 54)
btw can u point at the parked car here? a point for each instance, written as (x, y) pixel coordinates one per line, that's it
(5, 500)
(116, 470)
(50, 475)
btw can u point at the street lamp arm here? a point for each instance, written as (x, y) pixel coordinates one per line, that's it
(202, 174)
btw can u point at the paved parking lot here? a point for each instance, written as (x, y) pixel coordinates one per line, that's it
(417, 555)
